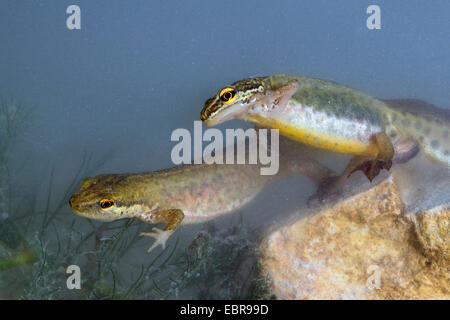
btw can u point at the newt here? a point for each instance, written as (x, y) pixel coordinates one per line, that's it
(330, 116)
(184, 194)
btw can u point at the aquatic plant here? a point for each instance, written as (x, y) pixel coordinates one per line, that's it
(220, 264)
(12, 115)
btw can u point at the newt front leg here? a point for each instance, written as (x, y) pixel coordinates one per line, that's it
(173, 218)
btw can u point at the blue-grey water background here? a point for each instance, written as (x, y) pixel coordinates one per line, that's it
(137, 70)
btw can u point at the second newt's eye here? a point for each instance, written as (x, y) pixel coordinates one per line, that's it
(106, 203)
(228, 95)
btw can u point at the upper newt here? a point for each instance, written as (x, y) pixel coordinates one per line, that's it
(331, 116)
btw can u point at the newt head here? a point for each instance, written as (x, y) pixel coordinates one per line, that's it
(100, 198)
(251, 95)
(232, 101)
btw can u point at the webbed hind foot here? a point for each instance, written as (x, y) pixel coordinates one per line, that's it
(372, 168)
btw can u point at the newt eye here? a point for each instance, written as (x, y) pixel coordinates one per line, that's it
(106, 203)
(228, 95)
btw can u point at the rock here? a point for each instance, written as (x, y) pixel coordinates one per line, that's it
(367, 246)
(433, 231)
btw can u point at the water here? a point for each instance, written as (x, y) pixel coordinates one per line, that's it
(135, 72)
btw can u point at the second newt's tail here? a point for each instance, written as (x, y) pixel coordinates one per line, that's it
(424, 123)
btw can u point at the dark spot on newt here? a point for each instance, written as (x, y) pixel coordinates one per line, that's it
(418, 125)
(427, 130)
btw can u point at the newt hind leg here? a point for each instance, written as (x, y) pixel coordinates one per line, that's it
(370, 166)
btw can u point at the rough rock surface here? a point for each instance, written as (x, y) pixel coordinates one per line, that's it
(367, 246)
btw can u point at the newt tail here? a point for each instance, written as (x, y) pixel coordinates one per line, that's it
(423, 123)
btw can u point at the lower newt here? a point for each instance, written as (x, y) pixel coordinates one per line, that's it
(185, 194)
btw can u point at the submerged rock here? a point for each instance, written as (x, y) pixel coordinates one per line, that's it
(367, 246)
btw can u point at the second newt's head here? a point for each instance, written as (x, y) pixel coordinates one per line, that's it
(246, 96)
(231, 101)
(103, 197)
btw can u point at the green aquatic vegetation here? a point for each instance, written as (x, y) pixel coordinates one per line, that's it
(217, 264)
(13, 250)
(59, 241)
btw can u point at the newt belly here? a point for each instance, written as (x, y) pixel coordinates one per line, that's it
(314, 136)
